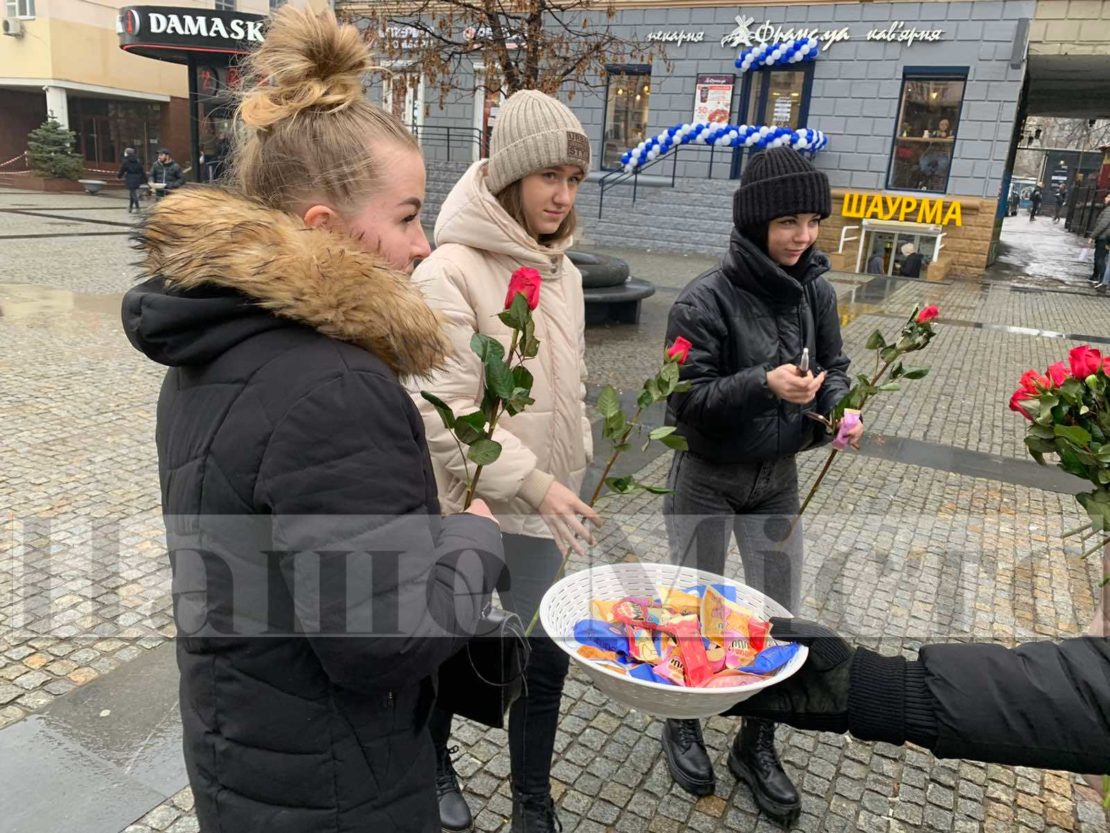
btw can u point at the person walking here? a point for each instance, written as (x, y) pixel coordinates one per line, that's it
(1035, 198)
(875, 264)
(752, 321)
(912, 261)
(514, 210)
(133, 176)
(1061, 203)
(317, 588)
(1100, 239)
(166, 173)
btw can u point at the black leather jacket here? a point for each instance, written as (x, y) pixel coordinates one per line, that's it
(745, 317)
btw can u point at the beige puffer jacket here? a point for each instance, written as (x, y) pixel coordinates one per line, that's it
(478, 247)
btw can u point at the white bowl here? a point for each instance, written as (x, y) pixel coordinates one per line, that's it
(568, 601)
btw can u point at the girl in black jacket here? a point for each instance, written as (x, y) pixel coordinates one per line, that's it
(316, 587)
(752, 322)
(133, 176)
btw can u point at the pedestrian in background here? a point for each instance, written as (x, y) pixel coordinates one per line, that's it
(167, 173)
(750, 320)
(1100, 239)
(912, 261)
(133, 176)
(1061, 203)
(1035, 202)
(875, 265)
(517, 209)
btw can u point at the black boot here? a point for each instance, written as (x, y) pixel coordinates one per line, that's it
(684, 750)
(754, 761)
(454, 814)
(534, 814)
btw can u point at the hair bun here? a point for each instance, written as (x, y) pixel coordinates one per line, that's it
(308, 62)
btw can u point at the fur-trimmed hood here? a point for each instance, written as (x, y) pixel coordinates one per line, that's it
(213, 259)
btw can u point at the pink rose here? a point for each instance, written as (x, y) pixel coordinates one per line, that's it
(1058, 374)
(1084, 361)
(928, 314)
(679, 350)
(525, 281)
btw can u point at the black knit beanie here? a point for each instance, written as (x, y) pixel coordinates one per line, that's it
(778, 182)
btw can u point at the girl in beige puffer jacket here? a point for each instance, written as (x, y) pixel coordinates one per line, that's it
(514, 210)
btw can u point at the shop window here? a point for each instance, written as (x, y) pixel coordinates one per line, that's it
(277, 4)
(225, 5)
(926, 131)
(778, 97)
(23, 9)
(627, 99)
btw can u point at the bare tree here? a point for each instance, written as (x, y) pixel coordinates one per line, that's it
(547, 45)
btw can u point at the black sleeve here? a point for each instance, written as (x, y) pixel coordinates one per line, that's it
(1044, 704)
(385, 590)
(830, 349)
(717, 399)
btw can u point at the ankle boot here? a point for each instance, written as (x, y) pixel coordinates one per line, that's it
(754, 761)
(454, 813)
(534, 814)
(684, 751)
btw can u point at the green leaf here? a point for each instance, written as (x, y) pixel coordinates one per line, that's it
(1074, 433)
(530, 346)
(608, 402)
(499, 379)
(517, 315)
(1038, 446)
(668, 377)
(897, 371)
(1044, 432)
(889, 354)
(487, 348)
(644, 399)
(682, 387)
(522, 378)
(890, 387)
(676, 442)
(660, 433)
(875, 341)
(621, 485)
(470, 428)
(615, 426)
(519, 401)
(655, 490)
(917, 373)
(484, 452)
(442, 408)
(1104, 454)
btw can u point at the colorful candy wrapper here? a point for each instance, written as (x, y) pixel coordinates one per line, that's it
(647, 674)
(738, 652)
(695, 663)
(770, 660)
(716, 656)
(671, 668)
(719, 616)
(849, 421)
(641, 645)
(603, 610)
(680, 601)
(601, 635)
(596, 654)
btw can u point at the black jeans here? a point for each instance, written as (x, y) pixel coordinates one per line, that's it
(133, 198)
(754, 502)
(1100, 258)
(532, 564)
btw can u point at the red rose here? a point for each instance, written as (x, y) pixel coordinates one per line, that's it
(679, 350)
(1016, 400)
(1084, 361)
(525, 281)
(1058, 374)
(928, 314)
(1033, 382)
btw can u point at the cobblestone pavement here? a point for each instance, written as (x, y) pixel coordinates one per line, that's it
(896, 554)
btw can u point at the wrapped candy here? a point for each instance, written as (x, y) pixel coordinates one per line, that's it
(641, 645)
(719, 616)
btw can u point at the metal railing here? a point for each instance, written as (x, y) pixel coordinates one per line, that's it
(1084, 205)
(615, 178)
(446, 136)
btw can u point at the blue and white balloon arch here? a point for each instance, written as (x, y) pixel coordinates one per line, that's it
(800, 50)
(722, 135)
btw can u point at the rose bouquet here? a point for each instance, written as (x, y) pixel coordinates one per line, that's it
(1068, 409)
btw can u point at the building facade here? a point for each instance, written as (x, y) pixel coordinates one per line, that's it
(63, 58)
(919, 103)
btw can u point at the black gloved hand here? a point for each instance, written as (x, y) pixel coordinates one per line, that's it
(815, 698)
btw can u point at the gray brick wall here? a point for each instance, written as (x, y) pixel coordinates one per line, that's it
(855, 100)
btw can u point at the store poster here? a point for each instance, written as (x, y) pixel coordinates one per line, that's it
(713, 98)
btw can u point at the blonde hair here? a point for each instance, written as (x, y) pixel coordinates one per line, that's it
(308, 131)
(512, 201)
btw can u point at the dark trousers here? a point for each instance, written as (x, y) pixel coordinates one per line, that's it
(133, 198)
(1100, 258)
(753, 502)
(532, 564)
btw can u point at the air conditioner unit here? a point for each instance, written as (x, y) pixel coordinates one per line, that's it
(13, 27)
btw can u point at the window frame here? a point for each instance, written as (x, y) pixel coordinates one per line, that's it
(226, 6)
(807, 68)
(926, 74)
(610, 71)
(23, 9)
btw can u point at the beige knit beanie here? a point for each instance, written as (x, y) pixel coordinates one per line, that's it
(534, 131)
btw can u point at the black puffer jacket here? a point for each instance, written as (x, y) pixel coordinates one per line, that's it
(744, 318)
(131, 172)
(299, 499)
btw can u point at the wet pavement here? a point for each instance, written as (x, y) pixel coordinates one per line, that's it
(942, 528)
